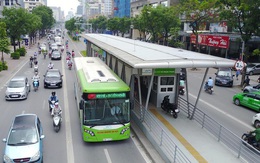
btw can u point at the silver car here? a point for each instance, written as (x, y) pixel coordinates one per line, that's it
(18, 88)
(251, 88)
(24, 141)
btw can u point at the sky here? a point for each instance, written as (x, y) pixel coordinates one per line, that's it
(66, 5)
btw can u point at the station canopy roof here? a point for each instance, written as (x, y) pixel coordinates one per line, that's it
(139, 54)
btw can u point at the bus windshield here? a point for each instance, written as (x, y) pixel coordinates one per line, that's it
(106, 112)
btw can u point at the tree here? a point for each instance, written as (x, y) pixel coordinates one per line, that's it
(139, 24)
(4, 43)
(243, 17)
(124, 25)
(46, 15)
(113, 25)
(15, 20)
(34, 24)
(70, 24)
(199, 12)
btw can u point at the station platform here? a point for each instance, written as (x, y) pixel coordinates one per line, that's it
(197, 144)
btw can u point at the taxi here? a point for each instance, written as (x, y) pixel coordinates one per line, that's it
(250, 100)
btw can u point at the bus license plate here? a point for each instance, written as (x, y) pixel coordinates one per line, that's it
(107, 139)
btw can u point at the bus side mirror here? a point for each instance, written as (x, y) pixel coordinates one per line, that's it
(81, 104)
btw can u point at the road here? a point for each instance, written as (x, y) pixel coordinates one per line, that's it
(219, 105)
(66, 145)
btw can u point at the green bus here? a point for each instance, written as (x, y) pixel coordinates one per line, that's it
(103, 101)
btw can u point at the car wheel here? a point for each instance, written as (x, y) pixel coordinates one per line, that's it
(237, 102)
(245, 91)
(257, 123)
(250, 73)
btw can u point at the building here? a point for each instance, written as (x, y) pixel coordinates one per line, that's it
(31, 4)
(8, 3)
(122, 8)
(57, 14)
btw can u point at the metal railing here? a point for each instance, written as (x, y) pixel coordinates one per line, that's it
(240, 148)
(166, 143)
(160, 136)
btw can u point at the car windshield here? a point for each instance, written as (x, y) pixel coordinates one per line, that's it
(224, 73)
(16, 84)
(53, 74)
(56, 54)
(250, 65)
(22, 136)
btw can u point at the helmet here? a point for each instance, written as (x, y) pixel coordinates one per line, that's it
(53, 93)
(56, 104)
(36, 73)
(209, 77)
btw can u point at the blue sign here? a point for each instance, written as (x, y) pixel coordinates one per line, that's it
(85, 40)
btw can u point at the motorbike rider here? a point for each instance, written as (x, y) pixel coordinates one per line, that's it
(73, 53)
(69, 62)
(246, 82)
(257, 134)
(36, 77)
(51, 65)
(57, 109)
(209, 83)
(31, 60)
(53, 97)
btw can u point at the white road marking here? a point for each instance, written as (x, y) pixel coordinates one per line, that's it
(107, 156)
(141, 150)
(223, 112)
(70, 151)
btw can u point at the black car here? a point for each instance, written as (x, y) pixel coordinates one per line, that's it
(55, 55)
(53, 79)
(224, 77)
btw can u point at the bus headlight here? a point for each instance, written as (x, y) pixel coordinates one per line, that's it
(124, 130)
(89, 132)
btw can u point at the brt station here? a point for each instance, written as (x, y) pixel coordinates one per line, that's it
(152, 71)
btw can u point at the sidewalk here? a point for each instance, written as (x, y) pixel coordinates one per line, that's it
(15, 64)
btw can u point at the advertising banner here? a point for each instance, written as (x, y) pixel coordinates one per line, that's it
(211, 40)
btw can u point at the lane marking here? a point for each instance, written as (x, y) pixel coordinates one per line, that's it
(141, 150)
(107, 156)
(70, 150)
(183, 141)
(223, 112)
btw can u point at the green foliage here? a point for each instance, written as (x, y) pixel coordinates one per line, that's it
(256, 52)
(4, 42)
(113, 24)
(242, 16)
(83, 53)
(3, 66)
(70, 25)
(22, 51)
(15, 55)
(46, 15)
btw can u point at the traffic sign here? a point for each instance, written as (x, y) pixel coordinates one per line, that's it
(239, 65)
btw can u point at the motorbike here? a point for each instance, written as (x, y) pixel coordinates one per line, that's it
(35, 84)
(31, 63)
(169, 107)
(35, 68)
(57, 121)
(249, 139)
(181, 90)
(51, 105)
(49, 54)
(208, 89)
(69, 65)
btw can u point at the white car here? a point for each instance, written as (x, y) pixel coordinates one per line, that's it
(18, 88)
(256, 120)
(54, 46)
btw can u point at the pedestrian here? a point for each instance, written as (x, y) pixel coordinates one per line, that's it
(237, 73)
(246, 82)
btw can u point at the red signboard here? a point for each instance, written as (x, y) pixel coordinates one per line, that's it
(218, 41)
(211, 40)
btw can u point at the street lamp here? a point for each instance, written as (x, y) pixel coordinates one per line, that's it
(131, 32)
